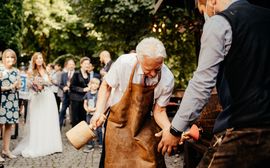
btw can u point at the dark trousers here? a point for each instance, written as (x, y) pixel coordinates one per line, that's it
(102, 157)
(65, 105)
(88, 119)
(245, 148)
(100, 135)
(78, 113)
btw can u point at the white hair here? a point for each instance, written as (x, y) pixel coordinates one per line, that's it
(151, 47)
(105, 53)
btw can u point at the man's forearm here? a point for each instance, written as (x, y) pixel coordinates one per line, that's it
(161, 117)
(103, 96)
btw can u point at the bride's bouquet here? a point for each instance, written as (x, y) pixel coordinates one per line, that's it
(38, 84)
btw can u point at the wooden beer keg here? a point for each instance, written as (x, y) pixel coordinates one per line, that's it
(79, 135)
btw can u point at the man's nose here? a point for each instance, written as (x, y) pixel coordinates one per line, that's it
(153, 73)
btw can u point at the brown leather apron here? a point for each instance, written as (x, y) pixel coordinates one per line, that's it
(130, 131)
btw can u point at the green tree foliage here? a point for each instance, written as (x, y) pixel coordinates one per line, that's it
(53, 28)
(124, 23)
(10, 24)
(85, 27)
(120, 22)
(43, 19)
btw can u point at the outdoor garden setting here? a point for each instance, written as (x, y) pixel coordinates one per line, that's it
(134, 83)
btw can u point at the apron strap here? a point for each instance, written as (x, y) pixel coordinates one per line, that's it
(159, 77)
(132, 74)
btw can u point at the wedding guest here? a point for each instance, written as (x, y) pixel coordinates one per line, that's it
(42, 135)
(65, 87)
(78, 88)
(23, 92)
(234, 58)
(92, 73)
(105, 58)
(9, 114)
(55, 76)
(89, 105)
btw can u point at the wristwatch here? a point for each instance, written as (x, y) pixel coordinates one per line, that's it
(175, 132)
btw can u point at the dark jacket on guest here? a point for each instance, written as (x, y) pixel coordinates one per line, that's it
(63, 81)
(77, 84)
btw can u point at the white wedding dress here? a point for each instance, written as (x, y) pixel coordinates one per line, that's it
(41, 135)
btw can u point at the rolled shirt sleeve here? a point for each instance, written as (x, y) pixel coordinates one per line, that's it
(112, 77)
(215, 43)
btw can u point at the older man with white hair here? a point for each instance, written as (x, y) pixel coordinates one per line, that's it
(234, 56)
(142, 86)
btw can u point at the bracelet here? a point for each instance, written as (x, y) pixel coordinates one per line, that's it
(175, 132)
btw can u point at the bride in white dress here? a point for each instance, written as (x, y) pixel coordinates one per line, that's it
(42, 132)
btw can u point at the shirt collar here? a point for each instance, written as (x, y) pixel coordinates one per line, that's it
(140, 72)
(139, 69)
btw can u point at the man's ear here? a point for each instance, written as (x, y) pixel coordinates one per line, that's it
(202, 6)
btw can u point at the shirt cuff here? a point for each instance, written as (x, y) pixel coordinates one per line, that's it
(179, 124)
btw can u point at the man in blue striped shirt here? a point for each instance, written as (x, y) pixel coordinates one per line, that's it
(234, 56)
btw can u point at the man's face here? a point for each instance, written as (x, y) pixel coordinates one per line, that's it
(201, 6)
(70, 65)
(57, 67)
(151, 66)
(91, 67)
(206, 6)
(210, 8)
(101, 58)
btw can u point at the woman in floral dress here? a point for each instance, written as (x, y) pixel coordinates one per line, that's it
(9, 112)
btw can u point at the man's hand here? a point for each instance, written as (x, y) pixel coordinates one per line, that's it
(86, 89)
(68, 84)
(192, 133)
(66, 88)
(97, 120)
(168, 142)
(91, 109)
(103, 72)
